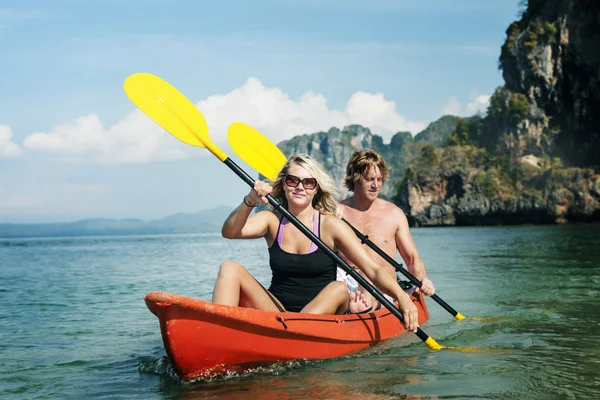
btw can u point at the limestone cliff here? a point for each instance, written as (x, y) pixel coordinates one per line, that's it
(535, 156)
(457, 186)
(461, 185)
(334, 148)
(552, 56)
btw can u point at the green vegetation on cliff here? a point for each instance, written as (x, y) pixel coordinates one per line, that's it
(506, 111)
(551, 57)
(437, 132)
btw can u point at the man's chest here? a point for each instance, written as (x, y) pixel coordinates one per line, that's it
(377, 226)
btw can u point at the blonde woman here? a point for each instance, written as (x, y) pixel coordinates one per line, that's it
(304, 276)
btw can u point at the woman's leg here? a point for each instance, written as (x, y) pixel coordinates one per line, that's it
(333, 299)
(235, 286)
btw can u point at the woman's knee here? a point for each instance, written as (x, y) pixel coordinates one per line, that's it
(339, 289)
(230, 268)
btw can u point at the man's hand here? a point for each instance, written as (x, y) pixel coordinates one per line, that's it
(426, 288)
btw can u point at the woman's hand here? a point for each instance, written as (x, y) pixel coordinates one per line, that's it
(409, 312)
(258, 194)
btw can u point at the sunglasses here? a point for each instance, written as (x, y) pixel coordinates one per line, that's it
(293, 181)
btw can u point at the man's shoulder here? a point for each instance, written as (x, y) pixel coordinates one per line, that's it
(387, 206)
(378, 206)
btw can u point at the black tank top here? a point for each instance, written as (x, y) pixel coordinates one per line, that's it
(298, 278)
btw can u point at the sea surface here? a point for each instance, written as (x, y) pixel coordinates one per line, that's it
(73, 323)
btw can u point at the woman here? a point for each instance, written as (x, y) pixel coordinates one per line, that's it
(304, 277)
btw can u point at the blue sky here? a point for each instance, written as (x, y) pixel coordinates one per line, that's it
(73, 146)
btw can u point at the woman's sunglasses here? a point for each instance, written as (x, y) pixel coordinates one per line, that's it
(293, 181)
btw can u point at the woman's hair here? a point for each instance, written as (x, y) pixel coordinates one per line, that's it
(360, 162)
(324, 200)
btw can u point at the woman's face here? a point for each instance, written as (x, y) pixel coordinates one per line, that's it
(299, 186)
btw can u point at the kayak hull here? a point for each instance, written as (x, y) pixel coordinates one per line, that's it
(202, 338)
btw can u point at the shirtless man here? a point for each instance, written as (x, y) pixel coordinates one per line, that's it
(384, 223)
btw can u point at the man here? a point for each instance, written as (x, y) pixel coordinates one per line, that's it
(384, 223)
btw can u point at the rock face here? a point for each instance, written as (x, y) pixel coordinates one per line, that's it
(457, 185)
(552, 56)
(468, 193)
(548, 108)
(436, 204)
(333, 149)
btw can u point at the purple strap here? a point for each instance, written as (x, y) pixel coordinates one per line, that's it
(313, 246)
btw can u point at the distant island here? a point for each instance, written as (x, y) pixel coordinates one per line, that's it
(205, 221)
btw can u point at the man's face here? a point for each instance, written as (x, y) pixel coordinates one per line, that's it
(370, 183)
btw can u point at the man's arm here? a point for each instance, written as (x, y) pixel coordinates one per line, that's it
(408, 250)
(349, 244)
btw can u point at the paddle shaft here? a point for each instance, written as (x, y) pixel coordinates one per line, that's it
(368, 286)
(398, 267)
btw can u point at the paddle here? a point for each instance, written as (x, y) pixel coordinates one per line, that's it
(266, 158)
(176, 114)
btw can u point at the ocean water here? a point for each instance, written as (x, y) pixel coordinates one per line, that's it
(73, 323)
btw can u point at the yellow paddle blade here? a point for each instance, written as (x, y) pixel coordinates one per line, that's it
(171, 110)
(157, 98)
(459, 316)
(255, 149)
(433, 344)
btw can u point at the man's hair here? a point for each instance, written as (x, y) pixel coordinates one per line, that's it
(360, 162)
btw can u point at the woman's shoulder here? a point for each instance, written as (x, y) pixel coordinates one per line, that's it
(269, 219)
(269, 215)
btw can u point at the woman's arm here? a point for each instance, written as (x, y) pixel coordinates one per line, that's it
(239, 225)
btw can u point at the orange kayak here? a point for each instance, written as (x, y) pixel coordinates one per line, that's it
(203, 339)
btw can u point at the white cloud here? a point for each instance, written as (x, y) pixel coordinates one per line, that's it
(452, 107)
(478, 104)
(7, 147)
(138, 139)
(275, 114)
